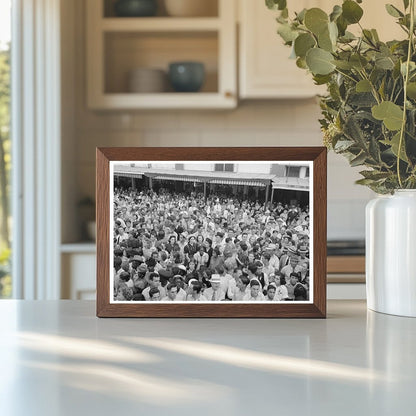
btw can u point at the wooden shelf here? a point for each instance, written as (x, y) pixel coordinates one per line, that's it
(160, 24)
(197, 100)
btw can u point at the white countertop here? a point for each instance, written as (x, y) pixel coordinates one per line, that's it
(57, 358)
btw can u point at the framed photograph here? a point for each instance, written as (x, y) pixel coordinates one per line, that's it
(211, 232)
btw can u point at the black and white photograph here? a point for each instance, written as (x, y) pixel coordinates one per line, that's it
(211, 231)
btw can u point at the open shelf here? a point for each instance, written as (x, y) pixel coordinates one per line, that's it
(127, 51)
(160, 24)
(116, 46)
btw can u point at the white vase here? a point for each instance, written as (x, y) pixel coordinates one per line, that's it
(391, 253)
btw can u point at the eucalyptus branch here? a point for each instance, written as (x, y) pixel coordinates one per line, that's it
(406, 80)
(373, 88)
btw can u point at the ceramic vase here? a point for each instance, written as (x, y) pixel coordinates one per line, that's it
(391, 253)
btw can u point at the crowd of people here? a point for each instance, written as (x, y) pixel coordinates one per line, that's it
(175, 247)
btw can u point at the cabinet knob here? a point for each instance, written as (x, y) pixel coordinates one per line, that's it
(229, 94)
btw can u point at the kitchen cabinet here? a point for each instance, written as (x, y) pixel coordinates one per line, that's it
(265, 70)
(118, 45)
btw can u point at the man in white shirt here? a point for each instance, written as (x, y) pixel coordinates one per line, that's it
(154, 282)
(172, 291)
(215, 293)
(255, 294)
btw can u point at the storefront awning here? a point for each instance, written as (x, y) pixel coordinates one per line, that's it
(293, 184)
(177, 178)
(128, 175)
(234, 182)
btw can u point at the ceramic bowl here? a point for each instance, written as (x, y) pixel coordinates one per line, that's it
(186, 76)
(135, 8)
(147, 80)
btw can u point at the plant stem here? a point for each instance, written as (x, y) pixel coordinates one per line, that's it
(406, 80)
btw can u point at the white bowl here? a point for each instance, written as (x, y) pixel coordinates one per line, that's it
(147, 80)
(191, 8)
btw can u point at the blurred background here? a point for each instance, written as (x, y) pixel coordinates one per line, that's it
(101, 73)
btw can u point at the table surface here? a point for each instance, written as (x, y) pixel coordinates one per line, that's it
(57, 358)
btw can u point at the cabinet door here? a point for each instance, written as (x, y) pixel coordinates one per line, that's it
(265, 68)
(266, 71)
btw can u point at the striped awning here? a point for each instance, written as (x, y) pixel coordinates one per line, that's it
(236, 182)
(177, 178)
(291, 188)
(128, 175)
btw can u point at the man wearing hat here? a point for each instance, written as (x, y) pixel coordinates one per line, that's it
(179, 281)
(215, 293)
(293, 262)
(274, 261)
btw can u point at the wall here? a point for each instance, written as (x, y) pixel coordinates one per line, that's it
(254, 123)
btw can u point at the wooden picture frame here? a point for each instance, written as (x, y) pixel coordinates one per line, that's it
(315, 307)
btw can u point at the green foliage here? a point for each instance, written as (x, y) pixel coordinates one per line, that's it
(365, 115)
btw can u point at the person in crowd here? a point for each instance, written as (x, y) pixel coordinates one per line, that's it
(281, 290)
(270, 293)
(172, 291)
(242, 288)
(195, 294)
(290, 285)
(154, 294)
(201, 257)
(255, 294)
(154, 283)
(215, 292)
(228, 247)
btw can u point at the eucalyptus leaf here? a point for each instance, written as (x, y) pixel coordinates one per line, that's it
(276, 4)
(345, 65)
(343, 145)
(394, 144)
(358, 160)
(375, 35)
(303, 43)
(384, 62)
(325, 42)
(316, 20)
(301, 15)
(287, 33)
(411, 90)
(301, 63)
(336, 12)
(351, 11)
(388, 112)
(320, 61)
(406, 4)
(374, 174)
(342, 25)
(393, 11)
(321, 79)
(347, 37)
(358, 61)
(363, 86)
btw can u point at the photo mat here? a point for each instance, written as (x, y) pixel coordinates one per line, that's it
(211, 232)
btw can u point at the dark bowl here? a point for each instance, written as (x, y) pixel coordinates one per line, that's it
(135, 8)
(186, 76)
